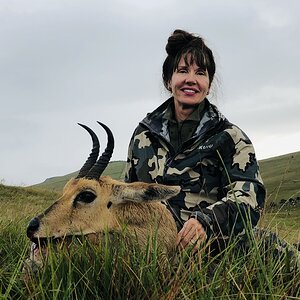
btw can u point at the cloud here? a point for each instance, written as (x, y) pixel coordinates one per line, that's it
(63, 62)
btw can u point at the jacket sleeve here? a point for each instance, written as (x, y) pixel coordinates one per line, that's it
(130, 174)
(242, 187)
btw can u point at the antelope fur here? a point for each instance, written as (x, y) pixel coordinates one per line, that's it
(117, 205)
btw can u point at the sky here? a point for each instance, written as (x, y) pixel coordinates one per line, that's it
(69, 61)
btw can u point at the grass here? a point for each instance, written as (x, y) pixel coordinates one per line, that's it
(285, 222)
(115, 169)
(111, 270)
(17, 203)
(281, 176)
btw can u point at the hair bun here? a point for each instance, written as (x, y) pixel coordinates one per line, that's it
(177, 41)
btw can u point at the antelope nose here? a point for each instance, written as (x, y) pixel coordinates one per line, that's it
(33, 227)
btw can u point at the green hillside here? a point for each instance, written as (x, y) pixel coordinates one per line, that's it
(22, 203)
(281, 176)
(115, 169)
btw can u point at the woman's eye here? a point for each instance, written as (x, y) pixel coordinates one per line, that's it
(86, 197)
(181, 71)
(201, 72)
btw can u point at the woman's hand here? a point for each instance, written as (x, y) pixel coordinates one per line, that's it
(192, 233)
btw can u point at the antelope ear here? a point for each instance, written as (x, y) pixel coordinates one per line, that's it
(142, 192)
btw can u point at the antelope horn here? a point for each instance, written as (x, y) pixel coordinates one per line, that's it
(93, 155)
(98, 168)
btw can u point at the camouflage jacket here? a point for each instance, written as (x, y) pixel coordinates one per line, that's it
(216, 168)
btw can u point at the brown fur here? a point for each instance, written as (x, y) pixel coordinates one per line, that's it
(118, 205)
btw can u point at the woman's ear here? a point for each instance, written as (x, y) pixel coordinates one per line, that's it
(169, 87)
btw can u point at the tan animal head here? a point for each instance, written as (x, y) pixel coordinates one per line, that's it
(91, 204)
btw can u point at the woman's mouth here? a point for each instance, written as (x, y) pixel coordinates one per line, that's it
(189, 92)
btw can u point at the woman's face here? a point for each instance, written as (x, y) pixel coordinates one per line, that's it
(189, 84)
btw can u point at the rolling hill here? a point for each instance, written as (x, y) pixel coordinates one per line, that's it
(115, 169)
(281, 176)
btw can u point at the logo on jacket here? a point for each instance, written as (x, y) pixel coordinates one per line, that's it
(204, 147)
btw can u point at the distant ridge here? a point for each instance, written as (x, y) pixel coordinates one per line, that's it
(281, 175)
(115, 169)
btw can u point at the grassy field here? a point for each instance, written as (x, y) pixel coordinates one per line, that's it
(114, 271)
(281, 176)
(115, 169)
(111, 271)
(284, 222)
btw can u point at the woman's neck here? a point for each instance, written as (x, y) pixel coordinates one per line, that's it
(182, 112)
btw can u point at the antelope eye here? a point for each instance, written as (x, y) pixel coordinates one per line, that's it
(86, 197)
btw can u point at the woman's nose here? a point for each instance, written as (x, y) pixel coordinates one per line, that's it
(190, 78)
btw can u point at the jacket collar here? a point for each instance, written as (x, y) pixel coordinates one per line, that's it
(158, 124)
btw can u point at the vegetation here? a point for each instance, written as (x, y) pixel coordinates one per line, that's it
(19, 203)
(281, 176)
(285, 222)
(112, 270)
(115, 169)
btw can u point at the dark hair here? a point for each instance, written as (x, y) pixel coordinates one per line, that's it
(181, 44)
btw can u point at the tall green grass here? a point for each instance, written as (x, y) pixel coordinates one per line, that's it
(114, 269)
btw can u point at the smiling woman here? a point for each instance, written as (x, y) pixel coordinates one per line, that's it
(189, 85)
(186, 141)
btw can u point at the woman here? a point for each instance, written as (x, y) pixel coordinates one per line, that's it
(186, 141)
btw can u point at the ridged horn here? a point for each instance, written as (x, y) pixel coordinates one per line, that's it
(98, 168)
(93, 155)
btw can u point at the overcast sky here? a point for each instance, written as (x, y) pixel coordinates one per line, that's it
(69, 61)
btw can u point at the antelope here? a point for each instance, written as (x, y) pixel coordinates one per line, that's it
(92, 205)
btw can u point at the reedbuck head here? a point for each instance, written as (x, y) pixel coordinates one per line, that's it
(91, 204)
